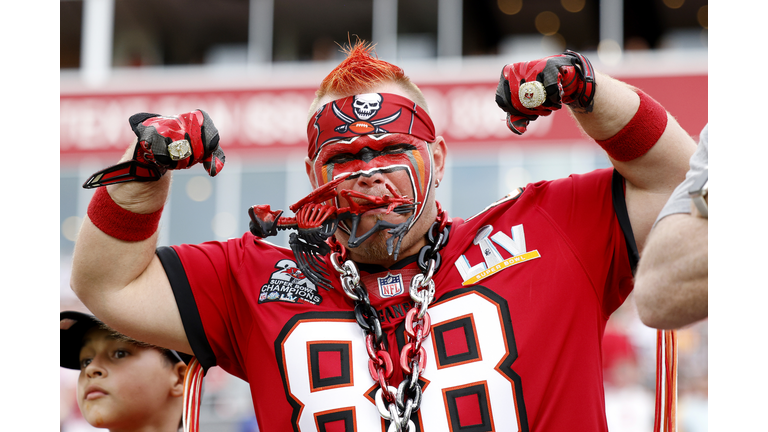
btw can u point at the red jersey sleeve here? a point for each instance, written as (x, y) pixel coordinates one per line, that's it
(592, 216)
(213, 291)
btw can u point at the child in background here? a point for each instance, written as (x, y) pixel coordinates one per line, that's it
(124, 384)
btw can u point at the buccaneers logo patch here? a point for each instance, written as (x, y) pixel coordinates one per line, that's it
(288, 284)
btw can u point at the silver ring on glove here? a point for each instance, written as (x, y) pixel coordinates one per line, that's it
(179, 149)
(532, 94)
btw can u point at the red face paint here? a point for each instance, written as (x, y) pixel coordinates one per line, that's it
(373, 136)
(400, 160)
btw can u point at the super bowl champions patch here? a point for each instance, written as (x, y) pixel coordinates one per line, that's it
(288, 284)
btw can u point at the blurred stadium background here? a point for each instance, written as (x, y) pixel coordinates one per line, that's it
(253, 66)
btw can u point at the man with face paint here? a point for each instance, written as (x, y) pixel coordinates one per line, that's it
(395, 150)
(385, 313)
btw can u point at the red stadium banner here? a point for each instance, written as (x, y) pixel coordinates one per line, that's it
(274, 119)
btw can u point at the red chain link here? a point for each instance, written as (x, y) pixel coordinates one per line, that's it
(338, 248)
(442, 218)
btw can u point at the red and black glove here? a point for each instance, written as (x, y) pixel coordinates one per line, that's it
(164, 143)
(535, 88)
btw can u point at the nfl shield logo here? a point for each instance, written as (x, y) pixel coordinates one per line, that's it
(390, 285)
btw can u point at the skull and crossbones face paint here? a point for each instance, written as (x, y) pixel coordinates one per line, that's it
(366, 105)
(401, 160)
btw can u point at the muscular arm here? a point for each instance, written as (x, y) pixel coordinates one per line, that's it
(122, 282)
(650, 178)
(672, 277)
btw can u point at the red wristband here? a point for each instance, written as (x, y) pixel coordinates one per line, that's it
(640, 134)
(118, 222)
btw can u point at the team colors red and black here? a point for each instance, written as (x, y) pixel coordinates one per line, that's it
(516, 283)
(364, 114)
(373, 133)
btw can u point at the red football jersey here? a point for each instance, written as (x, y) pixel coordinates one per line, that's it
(522, 297)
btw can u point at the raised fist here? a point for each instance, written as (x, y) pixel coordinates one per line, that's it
(164, 143)
(535, 88)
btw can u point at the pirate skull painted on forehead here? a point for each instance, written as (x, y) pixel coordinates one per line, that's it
(369, 135)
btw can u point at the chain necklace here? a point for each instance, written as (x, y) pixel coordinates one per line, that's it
(396, 404)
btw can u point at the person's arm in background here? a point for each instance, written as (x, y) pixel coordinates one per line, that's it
(671, 282)
(672, 275)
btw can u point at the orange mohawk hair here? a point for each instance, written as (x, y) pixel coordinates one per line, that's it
(362, 71)
(359, 71)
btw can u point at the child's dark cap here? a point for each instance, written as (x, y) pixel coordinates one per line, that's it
(73, 327)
